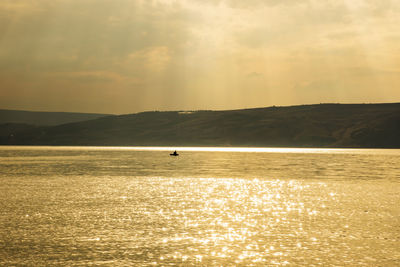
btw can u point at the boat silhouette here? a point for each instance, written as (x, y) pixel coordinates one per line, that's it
(174, 154)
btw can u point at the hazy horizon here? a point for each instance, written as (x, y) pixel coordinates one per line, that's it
(194, 110)
(123, 56)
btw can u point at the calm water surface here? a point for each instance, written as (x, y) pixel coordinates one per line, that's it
(234, 207)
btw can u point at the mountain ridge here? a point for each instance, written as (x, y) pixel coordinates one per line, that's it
(45, 118)
(319, 125)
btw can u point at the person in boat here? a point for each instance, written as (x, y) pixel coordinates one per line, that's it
(174, 154)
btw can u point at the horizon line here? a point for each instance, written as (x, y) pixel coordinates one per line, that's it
(197, 110)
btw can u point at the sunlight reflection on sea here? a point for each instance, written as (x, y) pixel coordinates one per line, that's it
(83, 206)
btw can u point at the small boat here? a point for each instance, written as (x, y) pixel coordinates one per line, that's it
(174, 154)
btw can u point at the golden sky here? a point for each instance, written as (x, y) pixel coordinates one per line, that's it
(126, 56)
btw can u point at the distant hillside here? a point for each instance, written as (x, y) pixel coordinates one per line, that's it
(324, 125)
(44, 118)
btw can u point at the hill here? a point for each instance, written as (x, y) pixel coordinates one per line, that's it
(323, 125)
(45, 118)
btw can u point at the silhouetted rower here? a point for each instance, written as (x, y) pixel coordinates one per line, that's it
(174, 154)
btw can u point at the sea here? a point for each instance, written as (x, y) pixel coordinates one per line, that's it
(209, 206)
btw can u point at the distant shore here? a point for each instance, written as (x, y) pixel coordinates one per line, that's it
(307, 126)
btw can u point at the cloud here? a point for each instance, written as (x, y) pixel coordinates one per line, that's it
(254, 75)
(172, 54)
(152, 58)
(254, 4)
(88, 76)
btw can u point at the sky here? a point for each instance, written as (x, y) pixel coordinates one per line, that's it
(128, 56)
